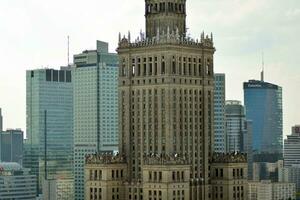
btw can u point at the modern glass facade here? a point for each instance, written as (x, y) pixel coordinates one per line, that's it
(263, 102)
(219, 114)
(11, 146)
(235, 126)
(49, 107)
(95, 107)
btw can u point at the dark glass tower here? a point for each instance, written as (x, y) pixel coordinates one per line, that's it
(263, 102)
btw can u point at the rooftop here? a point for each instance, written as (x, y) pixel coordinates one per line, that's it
(10, 166)
(100, 158)
(229, 158)
(166, 38)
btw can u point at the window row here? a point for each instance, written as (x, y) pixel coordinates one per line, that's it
(185, 66)
(165, 7)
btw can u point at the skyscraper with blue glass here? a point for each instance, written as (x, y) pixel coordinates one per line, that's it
(263, 102)
(49, 123)
(95, 107)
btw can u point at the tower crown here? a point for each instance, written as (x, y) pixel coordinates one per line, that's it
(164, 16)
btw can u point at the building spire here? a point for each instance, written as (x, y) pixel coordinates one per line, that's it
(263, 68)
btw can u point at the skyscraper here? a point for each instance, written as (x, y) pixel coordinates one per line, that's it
(291, 153)
(263, 103)
(11, 146)
(49, 123)
(166, 83)
(95, 107)
(219, 114)
(291, 157)
(235, 126)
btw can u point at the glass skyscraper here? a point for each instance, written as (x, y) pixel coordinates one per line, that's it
(95, 107)
(235, 126)
(219, 114)
(263, 102)
(49, 123)
(11, 146)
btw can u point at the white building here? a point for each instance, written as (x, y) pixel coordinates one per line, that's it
(16, 182)
(95, 79)
(267, 190)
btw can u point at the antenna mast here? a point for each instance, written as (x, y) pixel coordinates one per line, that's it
(263, 68)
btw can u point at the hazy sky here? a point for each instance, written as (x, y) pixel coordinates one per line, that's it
(33, 34)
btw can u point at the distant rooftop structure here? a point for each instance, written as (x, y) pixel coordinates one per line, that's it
(10, 166)
(229, 158)
(233, 102)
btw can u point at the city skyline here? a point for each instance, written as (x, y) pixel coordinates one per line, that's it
(33, 36)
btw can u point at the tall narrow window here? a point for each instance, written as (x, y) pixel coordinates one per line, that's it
(200, 68)
(173, 66)
(123, 68)
(145, 69)
(163, 67)
(150, 69)
(207, 67)
(133, 67)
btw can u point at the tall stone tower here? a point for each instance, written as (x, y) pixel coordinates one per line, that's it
(163, 15)
(166, 82)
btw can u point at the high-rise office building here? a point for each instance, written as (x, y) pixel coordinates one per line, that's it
(1, 121)
(235, 126)
(268, 190)
(219, 114)
(263, 103)
(291, 157)
(49, 123)
(166, 83)
(16, 182)
(11, 146)
(95, 107)
(291, 153)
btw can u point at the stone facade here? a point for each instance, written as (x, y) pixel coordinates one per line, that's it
(162, 15)
(105, 177)
(166, 91)
(229, 177)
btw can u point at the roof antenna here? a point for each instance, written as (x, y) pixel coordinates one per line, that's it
(263, 68)
(68, 51)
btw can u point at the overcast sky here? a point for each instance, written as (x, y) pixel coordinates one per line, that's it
(33, 34)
